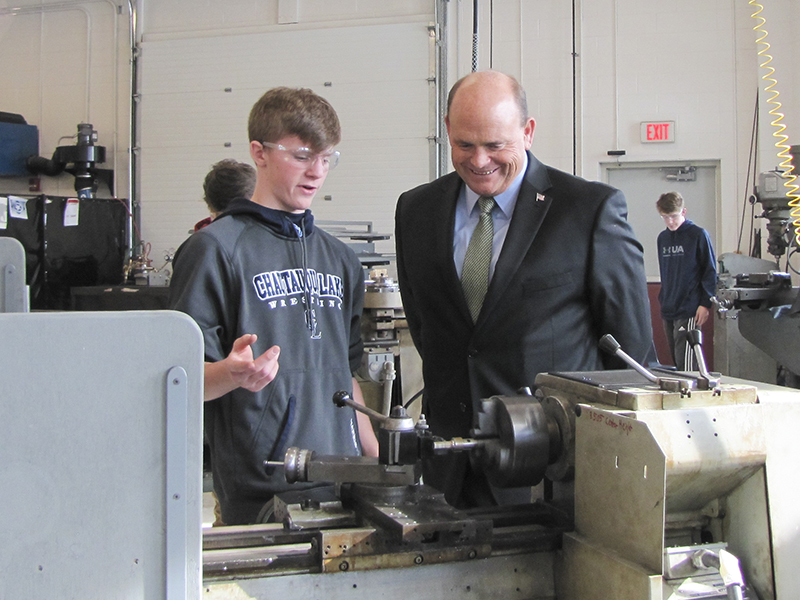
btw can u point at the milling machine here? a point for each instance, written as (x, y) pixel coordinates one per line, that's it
(656, 485)
(756, 292)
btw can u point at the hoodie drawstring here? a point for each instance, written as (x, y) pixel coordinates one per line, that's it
(309, 310)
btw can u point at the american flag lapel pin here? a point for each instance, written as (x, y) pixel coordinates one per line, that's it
(539, 197)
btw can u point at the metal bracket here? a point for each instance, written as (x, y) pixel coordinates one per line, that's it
(687, 173)
(177, 447)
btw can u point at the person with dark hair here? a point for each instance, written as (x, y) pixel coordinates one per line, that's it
(509, 268)
(688, 278)
(226, 181)
(263, 281)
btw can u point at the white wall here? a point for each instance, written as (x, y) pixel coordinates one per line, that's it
(687, 61)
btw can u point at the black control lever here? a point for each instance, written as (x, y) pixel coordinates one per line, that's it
(342, 399)
(695, 337)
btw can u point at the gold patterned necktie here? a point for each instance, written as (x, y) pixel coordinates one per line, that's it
(475, 272)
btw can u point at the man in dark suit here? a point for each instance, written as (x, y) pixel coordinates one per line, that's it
(565, 269)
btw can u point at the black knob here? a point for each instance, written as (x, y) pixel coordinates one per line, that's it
(609, 344)
(341, 398)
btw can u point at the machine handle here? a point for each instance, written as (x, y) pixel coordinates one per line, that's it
(695, 338)
(342, 399)
(610, 345)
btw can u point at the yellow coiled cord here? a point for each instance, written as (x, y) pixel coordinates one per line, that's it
(785, 150)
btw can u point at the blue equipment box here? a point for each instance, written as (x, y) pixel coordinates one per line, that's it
(17, 143)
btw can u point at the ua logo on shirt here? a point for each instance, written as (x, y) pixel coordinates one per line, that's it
(671, 250)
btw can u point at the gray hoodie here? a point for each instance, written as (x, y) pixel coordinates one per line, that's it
(258, 270)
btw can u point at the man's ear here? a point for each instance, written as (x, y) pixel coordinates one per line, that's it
(530, 126)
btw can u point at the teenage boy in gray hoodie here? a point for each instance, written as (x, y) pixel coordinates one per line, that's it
(263, 281)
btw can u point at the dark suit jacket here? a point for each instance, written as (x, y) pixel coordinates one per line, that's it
(571, 270)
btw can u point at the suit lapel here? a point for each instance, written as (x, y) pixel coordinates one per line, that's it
(532, 206)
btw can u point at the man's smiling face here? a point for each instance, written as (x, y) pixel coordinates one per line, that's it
(488, 137)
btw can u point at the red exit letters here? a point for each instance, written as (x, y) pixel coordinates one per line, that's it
(658, 131)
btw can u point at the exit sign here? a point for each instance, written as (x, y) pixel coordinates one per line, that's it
(658, 131)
